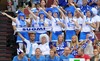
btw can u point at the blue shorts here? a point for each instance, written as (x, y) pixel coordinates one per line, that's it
(24, 34)
(83, 36)
(69, 34)
(55, 35)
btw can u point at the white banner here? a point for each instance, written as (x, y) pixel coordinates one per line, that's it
(33, 29)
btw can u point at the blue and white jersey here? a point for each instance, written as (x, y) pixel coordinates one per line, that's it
(60, 48)
(56, 58)
(87, 27)
(23, 59)
(74, 51)
(70, 24)
(55, 26)
(21, 23)
(34, 58)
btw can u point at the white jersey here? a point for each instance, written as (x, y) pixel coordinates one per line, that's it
(69, 23)
(87, 27)
(80, 22)
(55, 26)
(45, 49)
(34, 46)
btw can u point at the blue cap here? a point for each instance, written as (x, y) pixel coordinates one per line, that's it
(42, 12)
(21, 14)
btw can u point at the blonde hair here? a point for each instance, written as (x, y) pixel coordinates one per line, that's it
(72, 44)
(58, 39)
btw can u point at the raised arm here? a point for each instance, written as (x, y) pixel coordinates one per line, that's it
(21, 36)
(49, 16)
(34, 16)
(13, 19)
(82, 16)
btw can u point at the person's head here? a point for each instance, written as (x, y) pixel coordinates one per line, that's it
(70, 1)
(52, 53)
(84, 2)
(44, 38)
(76, 14)
(42, 3)
(96, 52)
(67, 51)
(20, 53)
(88, 13)
(74, 39)
(69, 14)
(55, 12)
(32, 36)
(80, 51)
(49, 11)
(21, 16)
(60, 38)
(42, 15)
(38, 52)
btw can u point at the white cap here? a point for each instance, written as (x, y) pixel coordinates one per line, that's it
(44, 35)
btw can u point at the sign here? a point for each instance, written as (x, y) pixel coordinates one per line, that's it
(33, 29)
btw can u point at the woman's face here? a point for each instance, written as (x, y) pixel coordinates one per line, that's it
(55, 15)
(88, 13)
(21, 17)
(73, 39)
(60, 38)
(43, 3)
(50, 13)
(41, 16)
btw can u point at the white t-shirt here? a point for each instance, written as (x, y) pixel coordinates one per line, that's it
(96, 18)
(69, 23)
(86, 27)
(45, 48)
(55, 26)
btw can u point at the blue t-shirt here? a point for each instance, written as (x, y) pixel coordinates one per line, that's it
(60, 48)
(56, 58)
(23, 59)
(41, 58)
(66, 58)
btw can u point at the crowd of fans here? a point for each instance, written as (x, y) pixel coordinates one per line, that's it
(73, 25)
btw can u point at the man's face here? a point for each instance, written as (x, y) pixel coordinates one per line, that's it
(37, 52)
(67, 50)
(79, 52)
(95, 52)
(32, 37)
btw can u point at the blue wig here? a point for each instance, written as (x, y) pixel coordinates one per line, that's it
(42, 12)
(71, 9)
(55, 10)
(48, 9)
(21, 14)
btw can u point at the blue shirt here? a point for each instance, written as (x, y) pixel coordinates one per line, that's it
(41, 58)
(56, 58)
(23, 59)
(66, 58)
(62, 2)
(60, 48)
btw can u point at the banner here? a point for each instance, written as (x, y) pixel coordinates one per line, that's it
(33, 29)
